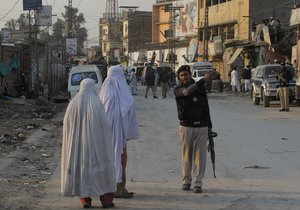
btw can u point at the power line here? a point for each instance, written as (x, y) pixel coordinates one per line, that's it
(9, 10)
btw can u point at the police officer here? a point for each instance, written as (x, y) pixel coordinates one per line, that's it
(284, 77)
(195, 123)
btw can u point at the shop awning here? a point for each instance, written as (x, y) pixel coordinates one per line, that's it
(235, 55)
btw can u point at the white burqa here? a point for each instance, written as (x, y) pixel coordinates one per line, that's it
(120, 109)
(87, 166)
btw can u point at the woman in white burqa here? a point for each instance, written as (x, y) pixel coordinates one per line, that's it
(119, 105)
(87, 166)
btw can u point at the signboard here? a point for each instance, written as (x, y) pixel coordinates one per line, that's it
(186, 17)
(295, 17)
(44, 16)
(71, 46)
(192, 50)
(218, 41)
(32, 4)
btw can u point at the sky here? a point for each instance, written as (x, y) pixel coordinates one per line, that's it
(92, 10)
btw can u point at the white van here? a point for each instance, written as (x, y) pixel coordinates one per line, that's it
(200, 68)
(78, 73)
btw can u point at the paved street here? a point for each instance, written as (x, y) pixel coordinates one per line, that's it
(258, 152)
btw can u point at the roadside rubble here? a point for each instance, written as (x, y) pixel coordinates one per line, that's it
(29, 137)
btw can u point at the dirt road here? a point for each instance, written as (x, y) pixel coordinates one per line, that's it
(258, 152)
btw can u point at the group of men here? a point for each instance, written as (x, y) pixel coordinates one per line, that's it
(238, 84)
(152, 78)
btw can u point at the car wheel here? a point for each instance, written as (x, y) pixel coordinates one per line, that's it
(255, 100)
(266, 100)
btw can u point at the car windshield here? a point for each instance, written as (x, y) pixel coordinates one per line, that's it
(271, 71)
(201, 73)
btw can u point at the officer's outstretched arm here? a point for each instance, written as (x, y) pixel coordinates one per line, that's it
(185, 91)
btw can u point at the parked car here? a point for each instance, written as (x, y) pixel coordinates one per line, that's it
(78, 73)
(265, 85)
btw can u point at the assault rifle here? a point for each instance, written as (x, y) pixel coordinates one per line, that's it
(279, 76)
(211, 148)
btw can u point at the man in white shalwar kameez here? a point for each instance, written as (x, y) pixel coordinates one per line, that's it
(87, 165)
(119, 105)
(235, 82)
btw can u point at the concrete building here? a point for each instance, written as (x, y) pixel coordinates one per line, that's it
(231, 29)
(137, 31)
(111, 38)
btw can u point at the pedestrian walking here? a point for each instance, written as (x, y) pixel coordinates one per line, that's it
(164, 78)
(87, 165)
(120, 109)
(284, 78)
(133, 82)
(247, 78)
(195, 123)
(151, 80)
(235, 82)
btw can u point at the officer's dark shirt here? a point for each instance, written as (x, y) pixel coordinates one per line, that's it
(192, 105)
(284, 78)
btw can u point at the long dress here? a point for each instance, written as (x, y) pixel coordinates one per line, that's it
(133, 83)
(119, 105)
(235, 80)
(87, 165)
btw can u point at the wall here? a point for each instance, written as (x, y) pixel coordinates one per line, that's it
(160, 22)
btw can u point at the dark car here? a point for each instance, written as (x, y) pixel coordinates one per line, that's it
(265, 85)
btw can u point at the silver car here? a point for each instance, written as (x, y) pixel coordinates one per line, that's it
(265, 85)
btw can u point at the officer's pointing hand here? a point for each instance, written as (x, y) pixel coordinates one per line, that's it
(210, 75)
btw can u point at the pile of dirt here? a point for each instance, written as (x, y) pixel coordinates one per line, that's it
(19, 118)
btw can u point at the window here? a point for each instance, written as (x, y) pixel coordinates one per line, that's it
(201, 35)
(208, 3)
(214, 32)
(214, 2)
(230, 31)
(78, 77)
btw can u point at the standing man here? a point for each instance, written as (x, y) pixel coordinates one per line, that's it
(150, 79)
(120, 109)
(164, 78)
(195, 123)
(284, 77)
(235, 82)
(87, 164)
(247, 77)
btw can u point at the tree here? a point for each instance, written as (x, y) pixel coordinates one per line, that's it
(20, 24)
(59, 34)
(76, 29)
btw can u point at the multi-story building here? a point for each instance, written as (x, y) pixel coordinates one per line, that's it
(231, 30)
(110, 38)
(137, 30)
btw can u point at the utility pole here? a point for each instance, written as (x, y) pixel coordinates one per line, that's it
(33, 52)
(70, 19)
(172, 58)
(205, 32)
